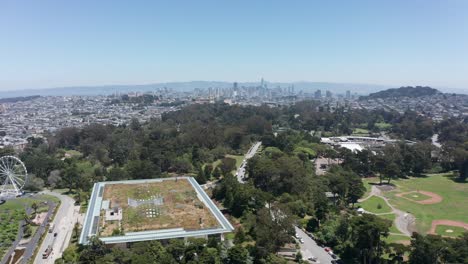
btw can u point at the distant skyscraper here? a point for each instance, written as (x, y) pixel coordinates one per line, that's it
(329, 94)
(348, 94)
(262, 83)
(234, 85)
(318, 94)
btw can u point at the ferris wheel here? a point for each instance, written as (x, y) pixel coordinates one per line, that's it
(13, 176)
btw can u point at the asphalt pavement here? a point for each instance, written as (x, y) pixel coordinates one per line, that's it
(33, 243)
(64, 221)
(252, 151)
(310, 248)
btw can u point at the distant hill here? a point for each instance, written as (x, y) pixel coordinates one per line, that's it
(18, 99)
(407, 91)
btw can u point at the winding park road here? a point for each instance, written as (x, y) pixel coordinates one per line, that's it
(250, 153)
(403, 221)
(64, 221)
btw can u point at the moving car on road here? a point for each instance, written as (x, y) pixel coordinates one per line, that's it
(47, 252)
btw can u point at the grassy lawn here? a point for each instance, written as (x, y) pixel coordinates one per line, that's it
(11, 213)
(229, 236)
(391, 217)
(454, 205)
(238, 158)
(360, 132)
(372, 205)
(367, 184)
(383, 125)
(453, 231)
(415, 196)
(393, 238)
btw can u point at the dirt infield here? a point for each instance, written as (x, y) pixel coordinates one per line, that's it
(435, 223)
(435, 198)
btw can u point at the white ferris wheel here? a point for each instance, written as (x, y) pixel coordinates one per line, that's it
(13, 176)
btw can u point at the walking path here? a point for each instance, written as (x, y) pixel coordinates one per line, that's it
(403, 221)
(16, 242)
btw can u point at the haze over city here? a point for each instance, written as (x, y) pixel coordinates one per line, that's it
(48, 44)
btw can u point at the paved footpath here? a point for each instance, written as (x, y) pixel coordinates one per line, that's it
(403, 221)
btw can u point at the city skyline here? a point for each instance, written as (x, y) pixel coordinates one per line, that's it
(398, 43)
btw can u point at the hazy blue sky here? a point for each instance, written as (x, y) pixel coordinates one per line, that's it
(62, 43)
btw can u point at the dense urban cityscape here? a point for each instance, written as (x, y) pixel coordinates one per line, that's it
(40, 115)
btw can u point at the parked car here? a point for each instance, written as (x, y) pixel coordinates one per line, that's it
(301, 240)
(327, 249)
(312, 258)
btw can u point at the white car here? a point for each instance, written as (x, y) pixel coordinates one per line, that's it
(301, 240)
(314, 259)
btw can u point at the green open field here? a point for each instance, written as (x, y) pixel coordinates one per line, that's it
(451, 231)
(391, 217)
(372, 205)
(383, 125)
(454, 205)
(395, 235)
(415, 196)
(360, 132)
(394, 238)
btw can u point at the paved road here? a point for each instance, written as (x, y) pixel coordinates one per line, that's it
(64, 221)
(33, 243)
(252, 151)
(310, 248)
